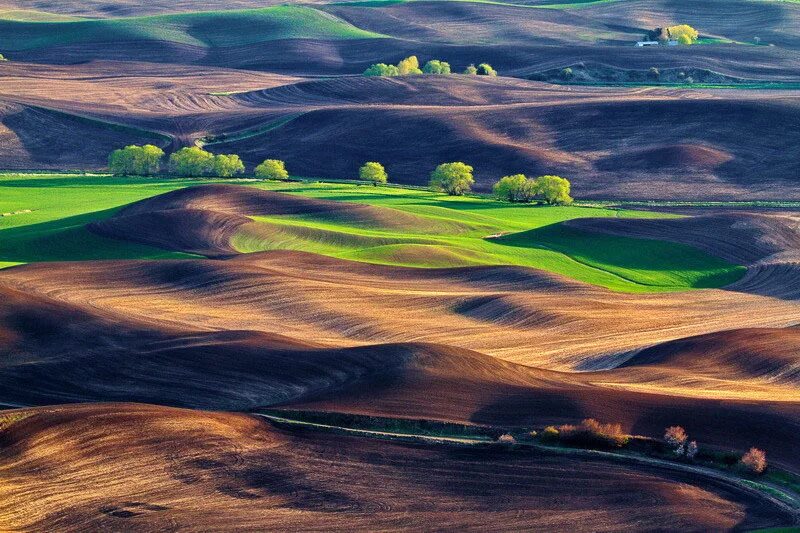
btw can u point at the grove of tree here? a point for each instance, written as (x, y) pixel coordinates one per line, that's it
(136, 160)
(553, 190)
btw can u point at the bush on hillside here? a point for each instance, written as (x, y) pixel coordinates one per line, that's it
(381, 69)
(754, 461)
(553, 190)
(471, 70)
(435, 66)
(485, 69)
(191, 161)
(136, 160)
(516, 188)
(374, 172)
(272, 169)
(453, 178)
(226, 166)
(408, 66)
(590, 432)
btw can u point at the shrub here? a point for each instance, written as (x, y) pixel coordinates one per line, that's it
(485, 69)
(272, 169)
(550, 433)
(566, 73)
(553, 189)
(227, 165)
(471, 70)
(374, 172)
(408, 66)
(453, 178)
(516, 188)
(136, 160)
(590, 432)
(692, 449)
(683, 33)
(381, 69)
(434, 66)
(506, 438)
(754, 460)
(191, 161)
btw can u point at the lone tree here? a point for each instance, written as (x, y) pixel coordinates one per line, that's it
(553, 190)
(516, 188)
(435, 66)
(485, 69)
(136, 160)
(755, 460)
(272, 169)
(226, 166)
(692, 449)
(191, 161)
(382, 69)
(676, 437)
(683, 33)
(374, 172)
(453, 178)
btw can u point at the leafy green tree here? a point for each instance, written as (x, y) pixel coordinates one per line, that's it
(471, 70)
(453, 178)
(227, 165)
(191, 161)
(272, 169)
(136, 160)
(516, 188)
(3, 58)
(381, 69)
(553, 189)
(374, 172)
(408, 66)
(684, 34)
(434, 66)
(566, 73)
(485, 69)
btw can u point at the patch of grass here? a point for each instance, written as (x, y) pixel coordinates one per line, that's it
(209, 29)
(444, 231)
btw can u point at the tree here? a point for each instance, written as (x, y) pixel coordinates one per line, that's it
(683, 33)
(566, 73)
(755, 460)
(434, 66)
(272, 169)
(226, 166)
(675, 436)
(692, 449)
(408, 66)
(3, 58)
(191, 161)
(756, 40)
(471, 70)
(553, 189)
(485, 69)
(381, 69)
(453, 178)
(374, 172)
(654, 73)
(516, 188)
(136, 160)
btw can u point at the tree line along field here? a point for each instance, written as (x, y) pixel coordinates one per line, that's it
(414, 228)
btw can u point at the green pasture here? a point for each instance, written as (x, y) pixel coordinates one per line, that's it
(416, 228)
(208, 29)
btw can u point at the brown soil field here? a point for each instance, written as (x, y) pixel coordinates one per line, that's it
(147, 467)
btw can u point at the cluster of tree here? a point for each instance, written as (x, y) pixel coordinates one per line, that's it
(484, 69)
(683, 33)
(136, 160)
(553, 190)
(410, 66)
(753, 461)
(193, 161)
